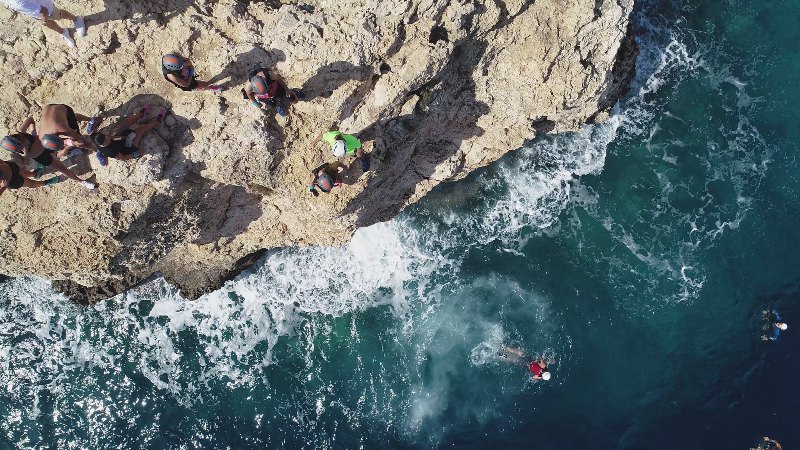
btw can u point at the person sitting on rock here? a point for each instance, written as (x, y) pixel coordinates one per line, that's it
(125, 144)
(45, 11)
(265, 88)
(62, 121)
(180, 72)
(12, 176)
(26, 150)
(344, 144)
(325, 177)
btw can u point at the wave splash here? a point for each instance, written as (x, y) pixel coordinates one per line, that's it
(56, 358)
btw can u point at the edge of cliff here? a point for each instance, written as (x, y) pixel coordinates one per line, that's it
(424, 86)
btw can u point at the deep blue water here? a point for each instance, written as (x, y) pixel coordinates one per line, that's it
(637, 253)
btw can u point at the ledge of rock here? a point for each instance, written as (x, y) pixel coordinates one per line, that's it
(435, 89)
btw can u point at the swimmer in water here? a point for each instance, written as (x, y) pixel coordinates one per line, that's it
(538, 367)
(767, 443)
(775, 325)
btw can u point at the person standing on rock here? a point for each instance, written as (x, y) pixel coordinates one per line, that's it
(325, 177)
(27, 150)
(12, 176)
(46, 11)
(267, 88)
(124, 144)
(344, 144)
(180, 72)
(62, 121)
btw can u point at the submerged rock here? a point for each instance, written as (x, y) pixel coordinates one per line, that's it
(434, 89)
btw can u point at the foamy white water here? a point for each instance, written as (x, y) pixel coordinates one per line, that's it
(299, 313)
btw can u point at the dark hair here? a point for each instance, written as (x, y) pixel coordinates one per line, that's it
(24, 136)
(100, 139)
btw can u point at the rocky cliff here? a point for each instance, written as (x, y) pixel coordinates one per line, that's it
(436, 88)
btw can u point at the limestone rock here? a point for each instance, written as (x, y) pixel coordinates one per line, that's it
(435, 89)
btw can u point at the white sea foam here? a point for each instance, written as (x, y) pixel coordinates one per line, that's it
(676, 227)
(410, 265)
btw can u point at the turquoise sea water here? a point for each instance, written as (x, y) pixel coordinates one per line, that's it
(637, 253)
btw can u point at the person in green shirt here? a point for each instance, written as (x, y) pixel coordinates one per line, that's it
(344, 144)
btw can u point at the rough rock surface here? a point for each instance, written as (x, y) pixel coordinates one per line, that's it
(436, 88)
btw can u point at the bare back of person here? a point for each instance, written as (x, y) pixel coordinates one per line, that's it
(62, 120)
(54, 121)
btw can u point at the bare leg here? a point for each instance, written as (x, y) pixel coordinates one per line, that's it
(142, 131)
(53, 26)
(33, 183)
(515, 351)
(511, 355)
(59, 166)
(67, 15)
(130, 120)
(82, 118)
(205, 86)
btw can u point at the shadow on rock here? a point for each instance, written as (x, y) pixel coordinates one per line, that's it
(159, 11)
(194, 210)
(409, 148)
(237, 71)
(176, 131)
(199, 211)
(331, 77)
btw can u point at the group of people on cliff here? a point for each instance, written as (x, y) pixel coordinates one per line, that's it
(33, 151)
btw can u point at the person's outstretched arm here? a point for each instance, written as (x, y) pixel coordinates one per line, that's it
(312, 184)
(314, 172)
(19, 159)
(180, 81)
(248, 90)
(515, 351)
(27, 123)
(76, 137)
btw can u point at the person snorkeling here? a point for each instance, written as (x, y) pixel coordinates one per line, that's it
(538, 367)
(344, 144)
(180, 72)
(266, 88)
(774, 323)
(325, 177)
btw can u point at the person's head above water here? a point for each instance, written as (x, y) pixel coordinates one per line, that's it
(546, 375)
(172, 61)
(782, 326)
